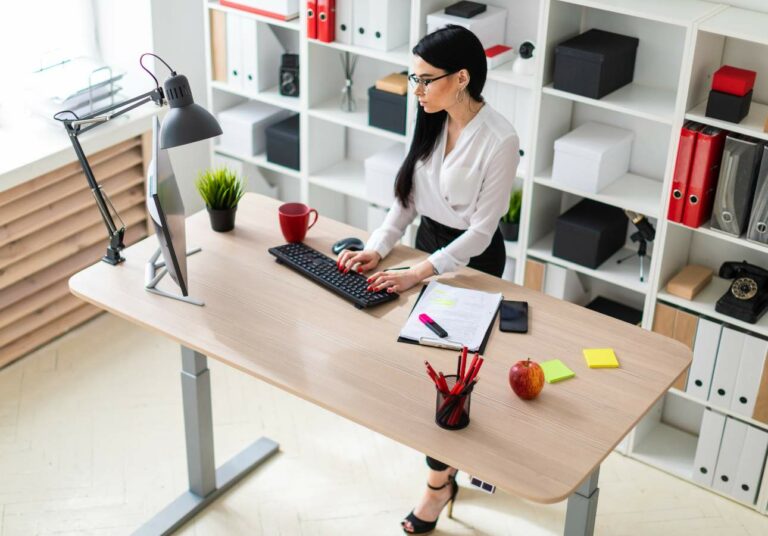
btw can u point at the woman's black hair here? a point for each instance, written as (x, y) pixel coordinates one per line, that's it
(450, 48)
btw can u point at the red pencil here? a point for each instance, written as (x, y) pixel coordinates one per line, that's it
(464, 351)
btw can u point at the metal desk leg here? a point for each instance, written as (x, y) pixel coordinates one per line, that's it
(582, 508)
(206, 483)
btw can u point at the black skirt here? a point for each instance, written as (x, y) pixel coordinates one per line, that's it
(432, 236)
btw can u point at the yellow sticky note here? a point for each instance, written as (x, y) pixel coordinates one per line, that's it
(600, 358)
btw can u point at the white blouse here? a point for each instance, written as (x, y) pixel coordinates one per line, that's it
(469, 189)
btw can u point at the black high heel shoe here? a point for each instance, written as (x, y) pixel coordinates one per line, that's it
(422, 527)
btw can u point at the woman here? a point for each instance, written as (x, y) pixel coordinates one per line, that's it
(458, 177)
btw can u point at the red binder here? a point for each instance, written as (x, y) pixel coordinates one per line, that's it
(326, 20)
(312, 19)
(703, 180)
(688, 135)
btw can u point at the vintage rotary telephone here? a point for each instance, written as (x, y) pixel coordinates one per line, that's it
(747, 298)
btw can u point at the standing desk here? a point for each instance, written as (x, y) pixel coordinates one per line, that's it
(275, 325)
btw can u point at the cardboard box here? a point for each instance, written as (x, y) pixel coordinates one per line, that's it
(689, 281)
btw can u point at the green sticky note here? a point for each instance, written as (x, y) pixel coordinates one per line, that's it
(600, 358)
(555, 370)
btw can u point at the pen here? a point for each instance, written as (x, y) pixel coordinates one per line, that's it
(438, 343)
(398, 268)
(432, 325)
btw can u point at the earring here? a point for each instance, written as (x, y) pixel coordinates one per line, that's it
(460, 95)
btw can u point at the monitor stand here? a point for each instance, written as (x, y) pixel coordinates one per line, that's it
(152, 277)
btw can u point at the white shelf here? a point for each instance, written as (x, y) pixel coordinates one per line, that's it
(735, 415)
(504, 74)
(330, 111)
(512, 248)
(679, 12)
(669, 449)
(704, 303)
(269, 96)
(752, 125)
(346, 177)
(653, 104)
(630, 192)
(741, 241)
(400, 56)
(738, 23)
(626, 274)
(293, 24)
(260, 160)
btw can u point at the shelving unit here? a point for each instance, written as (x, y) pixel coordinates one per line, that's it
(633, 99)
(682, 42)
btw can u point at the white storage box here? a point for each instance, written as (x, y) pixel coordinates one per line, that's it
(592, 156)
(243, 127)
(380, 172)
(380, 24)
(376, 216)
(498, 55)
(489, 26)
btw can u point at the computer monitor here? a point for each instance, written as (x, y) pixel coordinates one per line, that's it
(166, 210)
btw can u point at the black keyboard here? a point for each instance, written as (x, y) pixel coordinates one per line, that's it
(322, 269)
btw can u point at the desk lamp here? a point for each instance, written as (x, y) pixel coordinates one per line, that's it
(186, 122)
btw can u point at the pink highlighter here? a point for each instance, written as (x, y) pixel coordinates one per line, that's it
(434, 326)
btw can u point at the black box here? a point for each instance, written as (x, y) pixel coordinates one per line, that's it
(283, 142)
(589, 233)
(616, 310)
(465, 10)
(728, 107)
(386, 110)
(595, 63)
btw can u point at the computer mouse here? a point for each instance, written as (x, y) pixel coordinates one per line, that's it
(351, 243)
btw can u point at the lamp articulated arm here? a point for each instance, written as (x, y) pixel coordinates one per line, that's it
(75, 127)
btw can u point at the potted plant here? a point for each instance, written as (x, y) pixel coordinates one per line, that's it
(510, 222)
(221, 190)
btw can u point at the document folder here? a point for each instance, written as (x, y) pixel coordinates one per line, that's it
(479, 348)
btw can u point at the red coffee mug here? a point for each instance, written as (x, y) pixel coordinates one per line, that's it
(294, 221)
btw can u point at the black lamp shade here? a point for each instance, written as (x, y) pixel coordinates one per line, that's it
(186, 122)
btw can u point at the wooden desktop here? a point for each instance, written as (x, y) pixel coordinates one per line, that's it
(270, 322)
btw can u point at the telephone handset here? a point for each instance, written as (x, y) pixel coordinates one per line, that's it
(747, 297)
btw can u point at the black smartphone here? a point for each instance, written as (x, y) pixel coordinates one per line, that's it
(514, 316)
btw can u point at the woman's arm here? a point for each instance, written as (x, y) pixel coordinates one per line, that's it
(492, 204)
(384, 238)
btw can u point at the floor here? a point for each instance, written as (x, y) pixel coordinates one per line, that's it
(91, 442)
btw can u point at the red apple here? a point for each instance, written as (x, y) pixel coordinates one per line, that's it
(526, 379)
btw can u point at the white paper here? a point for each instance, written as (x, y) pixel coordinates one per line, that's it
(465, 314)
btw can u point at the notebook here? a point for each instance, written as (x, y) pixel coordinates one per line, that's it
(467, 315)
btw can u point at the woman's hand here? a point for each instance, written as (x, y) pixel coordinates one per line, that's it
(365, 260)
(400, 280)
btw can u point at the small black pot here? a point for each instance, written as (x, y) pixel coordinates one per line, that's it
(509, 231)
(222, 220)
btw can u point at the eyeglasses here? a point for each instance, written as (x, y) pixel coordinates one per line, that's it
(424, 82)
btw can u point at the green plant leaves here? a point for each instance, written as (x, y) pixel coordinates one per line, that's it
(515, 203)
(220, 188)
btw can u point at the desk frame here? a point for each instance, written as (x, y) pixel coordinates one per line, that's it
(206, 482)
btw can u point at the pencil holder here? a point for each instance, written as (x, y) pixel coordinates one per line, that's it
(452, 411)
